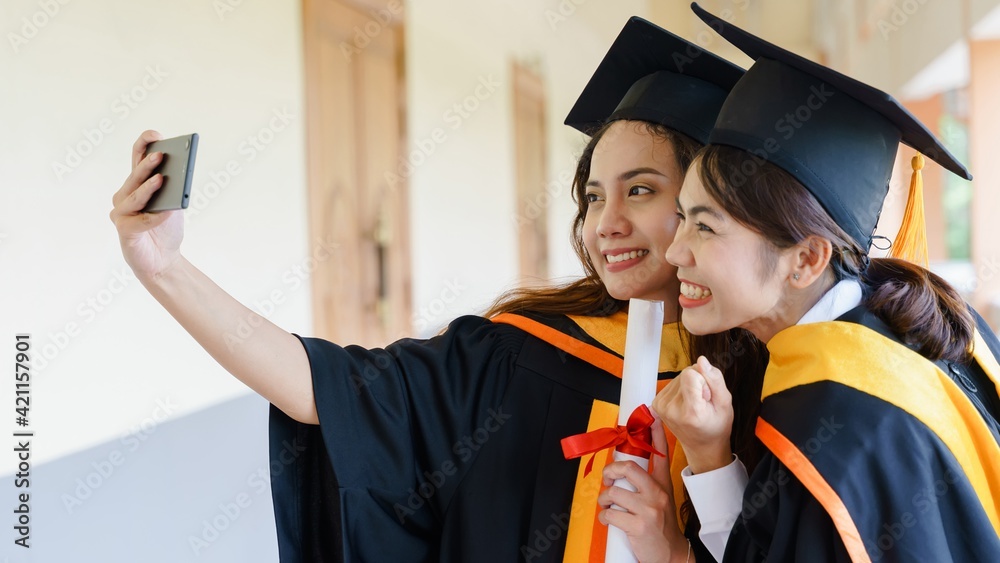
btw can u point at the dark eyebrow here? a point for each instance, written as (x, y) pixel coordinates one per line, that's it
(700, 209)
(626, 176)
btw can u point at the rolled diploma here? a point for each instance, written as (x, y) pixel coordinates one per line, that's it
(642, 359)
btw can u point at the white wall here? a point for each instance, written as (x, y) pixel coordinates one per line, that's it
(112, 372)
(110, 368)
(108, 351)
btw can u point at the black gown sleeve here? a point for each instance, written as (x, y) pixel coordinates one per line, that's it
(371, 482)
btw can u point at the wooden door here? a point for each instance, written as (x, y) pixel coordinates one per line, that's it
(530, 162)
(355, 134)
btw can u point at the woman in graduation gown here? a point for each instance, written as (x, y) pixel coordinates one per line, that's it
(879, 403)
(448, 449)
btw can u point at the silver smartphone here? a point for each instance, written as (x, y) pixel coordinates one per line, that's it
(177, 168)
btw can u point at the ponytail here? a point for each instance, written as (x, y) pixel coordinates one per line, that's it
(921, 308)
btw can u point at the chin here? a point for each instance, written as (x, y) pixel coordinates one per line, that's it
(619, 294)
(696, 326)
(625, 296)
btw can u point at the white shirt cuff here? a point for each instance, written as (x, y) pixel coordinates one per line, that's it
(717, 497)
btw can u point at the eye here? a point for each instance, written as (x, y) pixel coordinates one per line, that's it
(680, 216)
(639, 190)
(592, 197)
(704, 228)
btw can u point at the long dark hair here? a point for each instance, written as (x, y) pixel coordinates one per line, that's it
(919, 306)
(587, 296)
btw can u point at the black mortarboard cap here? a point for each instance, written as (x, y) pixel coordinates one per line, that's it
(650, 74)
(834, 134)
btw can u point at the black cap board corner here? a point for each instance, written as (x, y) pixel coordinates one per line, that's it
(834, 134)
(650, 74)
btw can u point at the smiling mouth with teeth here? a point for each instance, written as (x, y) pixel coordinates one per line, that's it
(695, 292)
(614, 259)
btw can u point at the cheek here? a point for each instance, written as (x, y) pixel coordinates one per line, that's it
(741, 291)
(660, 229)
(590, 236)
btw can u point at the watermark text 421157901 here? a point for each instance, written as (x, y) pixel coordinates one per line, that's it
(22, 438)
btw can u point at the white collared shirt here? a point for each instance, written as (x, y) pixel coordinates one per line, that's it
(717, 496)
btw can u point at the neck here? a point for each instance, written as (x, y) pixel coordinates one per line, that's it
(791, 307)
(671, 310)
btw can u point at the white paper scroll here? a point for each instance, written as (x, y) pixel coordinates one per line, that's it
(642, 358)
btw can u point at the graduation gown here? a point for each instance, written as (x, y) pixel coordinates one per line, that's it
(874, 452)
(448, 449)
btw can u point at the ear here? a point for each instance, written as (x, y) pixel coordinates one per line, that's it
(809, 260)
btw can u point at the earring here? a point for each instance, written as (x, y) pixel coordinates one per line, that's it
(795, 277)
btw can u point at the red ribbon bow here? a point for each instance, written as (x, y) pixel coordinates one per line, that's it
(635, 438)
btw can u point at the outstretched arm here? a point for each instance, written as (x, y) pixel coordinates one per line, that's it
(269, 360)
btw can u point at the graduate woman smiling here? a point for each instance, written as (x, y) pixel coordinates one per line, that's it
(879, 402)
(448, 449)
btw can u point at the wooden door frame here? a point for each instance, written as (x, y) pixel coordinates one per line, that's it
(348, 318)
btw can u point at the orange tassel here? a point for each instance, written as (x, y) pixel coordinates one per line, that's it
(911, 240)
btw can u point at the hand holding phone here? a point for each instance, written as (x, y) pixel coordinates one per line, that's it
(177, 168)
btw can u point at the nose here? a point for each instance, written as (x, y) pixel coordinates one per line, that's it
(679, 252)
(614, 219)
